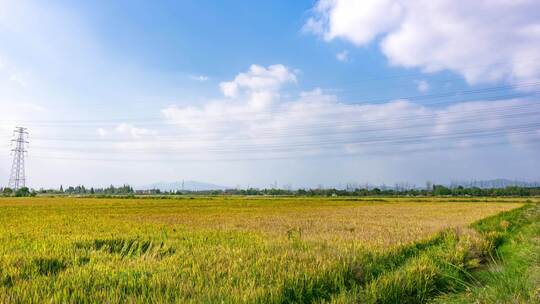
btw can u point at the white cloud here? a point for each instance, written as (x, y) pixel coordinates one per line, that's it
(123, 130)
(316, 123)
(422, 86)
(201, 78)
(259, 85)
(259, 79)
(357, 21)
(343, 56)
(485, 41)
(102, 132)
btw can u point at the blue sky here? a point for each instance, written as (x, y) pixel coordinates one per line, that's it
(251, 92)
(218, 39)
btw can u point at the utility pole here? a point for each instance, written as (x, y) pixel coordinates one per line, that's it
(17, 178)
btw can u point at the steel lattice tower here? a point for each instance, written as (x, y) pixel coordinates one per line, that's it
(17, 178)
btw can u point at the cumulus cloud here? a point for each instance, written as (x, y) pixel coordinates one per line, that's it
(484, 41)
(357, 21)
(259, 84)
(258, 79)
(316, 123)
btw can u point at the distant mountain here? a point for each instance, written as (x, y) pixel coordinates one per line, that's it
(187, 185)
(495, 183)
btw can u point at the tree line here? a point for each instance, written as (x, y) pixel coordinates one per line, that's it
(435, 190)
(432, 190)
(70, 190)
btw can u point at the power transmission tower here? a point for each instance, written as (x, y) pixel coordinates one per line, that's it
(17, 179)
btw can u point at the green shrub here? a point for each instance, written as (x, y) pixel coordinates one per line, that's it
(24, 191)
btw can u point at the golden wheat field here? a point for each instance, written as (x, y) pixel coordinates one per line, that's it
(210, 249)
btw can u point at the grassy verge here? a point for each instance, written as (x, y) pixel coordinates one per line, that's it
(513, 276)
(453, 264)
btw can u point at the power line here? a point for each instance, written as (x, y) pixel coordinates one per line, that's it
(328, 130)
(500, 111)
(301, 114)
(404, 152)
(370, 141)
(428, 97)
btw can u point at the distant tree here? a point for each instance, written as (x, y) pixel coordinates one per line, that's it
(7, 191)
(441, 190)
(61, 188)
(24, 191)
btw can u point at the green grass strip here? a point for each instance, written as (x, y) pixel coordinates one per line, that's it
(513, 276)
(417, 273)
